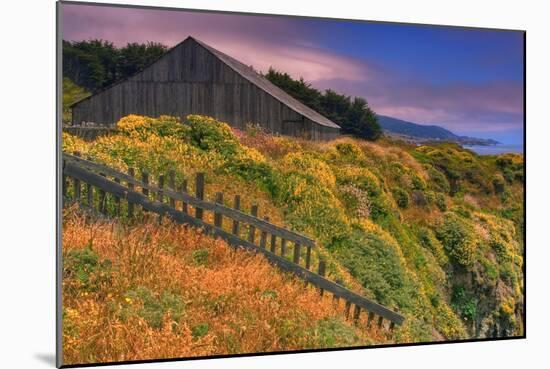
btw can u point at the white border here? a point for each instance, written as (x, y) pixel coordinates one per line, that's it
(27, 239)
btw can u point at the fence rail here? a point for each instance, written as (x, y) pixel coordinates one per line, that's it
(152, 198)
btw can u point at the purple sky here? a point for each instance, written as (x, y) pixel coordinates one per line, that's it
(469, 81)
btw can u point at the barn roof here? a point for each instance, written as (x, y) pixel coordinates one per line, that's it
(257, 79)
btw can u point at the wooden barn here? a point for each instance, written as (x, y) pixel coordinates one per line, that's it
(194, 78)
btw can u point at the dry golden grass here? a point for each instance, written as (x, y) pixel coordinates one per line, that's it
(246, 304)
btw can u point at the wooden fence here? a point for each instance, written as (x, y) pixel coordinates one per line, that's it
(172, 200)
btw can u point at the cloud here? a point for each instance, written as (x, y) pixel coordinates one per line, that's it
(461, 107)
(259, 41)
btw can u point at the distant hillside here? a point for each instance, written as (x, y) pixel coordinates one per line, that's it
(420, 132)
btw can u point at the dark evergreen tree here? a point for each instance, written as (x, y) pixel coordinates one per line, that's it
(96, 64)
(354, 116)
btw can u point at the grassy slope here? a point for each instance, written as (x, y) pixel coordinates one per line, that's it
(71, 94)
(145, 291)
(435, 231)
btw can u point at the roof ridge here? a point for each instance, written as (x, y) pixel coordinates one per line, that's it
(306, 110)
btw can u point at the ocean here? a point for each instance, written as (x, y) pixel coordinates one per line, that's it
(495, 149)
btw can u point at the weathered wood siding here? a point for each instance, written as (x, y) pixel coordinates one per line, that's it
(191, 80)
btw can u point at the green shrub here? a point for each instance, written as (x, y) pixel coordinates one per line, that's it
(210, 134)
(348, 149)
(332, 332)
(430, 197)
(428, 240)
(85, 267)
(376, 265)
(401, 197)
(418, 183)
(143, 127)
(142, 302)
(464, 303)
(441, 201)
(498, 183)
(438, 181)
(200, 330)
(456, 235)
(200, 256)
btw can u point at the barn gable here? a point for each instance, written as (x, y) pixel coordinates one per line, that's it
(194, 78)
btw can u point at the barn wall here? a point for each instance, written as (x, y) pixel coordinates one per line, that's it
(190, 80)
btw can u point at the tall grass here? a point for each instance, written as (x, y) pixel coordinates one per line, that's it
(150, 291)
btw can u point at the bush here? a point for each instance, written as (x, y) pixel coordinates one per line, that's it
(144, 303)
(428, 240)
(456, 235)
(84, 266)
(356, 199)
(142, 128)
(308, 166)
(418, 183)
(401, 197)
(332, 332)
(363, 179)
(210, 134)
(349, 150)
(199, 330)
(375, 263)
(464, 303)
(430, 197)
(438, 181)
(498, 183)
(200, 256)
(441, 201)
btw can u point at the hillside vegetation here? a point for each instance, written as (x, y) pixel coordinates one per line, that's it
(435, 231)
(150, 291)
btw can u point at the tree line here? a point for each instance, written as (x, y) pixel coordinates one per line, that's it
(353, 115)
(96, 64)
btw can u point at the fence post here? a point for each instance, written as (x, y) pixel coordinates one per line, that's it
(347, 309)
(283, 247)
(117, 200)
(273, 242)
(183, 189)
(132, 173)
(236, 206)
(102, 198)
(308, 257)
(160, 195)
(321, 272)
(297, 247)
(64, 186)
(370, 319)
(172, 185)
(90, 195)
(252, 229)
(145, 180)
(392, 323)
(356, 314)
(218, 218)
(263, 235)
(76, 182)
(199, 193)
(380, 321)
(89, 191)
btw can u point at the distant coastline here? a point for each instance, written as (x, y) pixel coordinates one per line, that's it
(495, 149)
